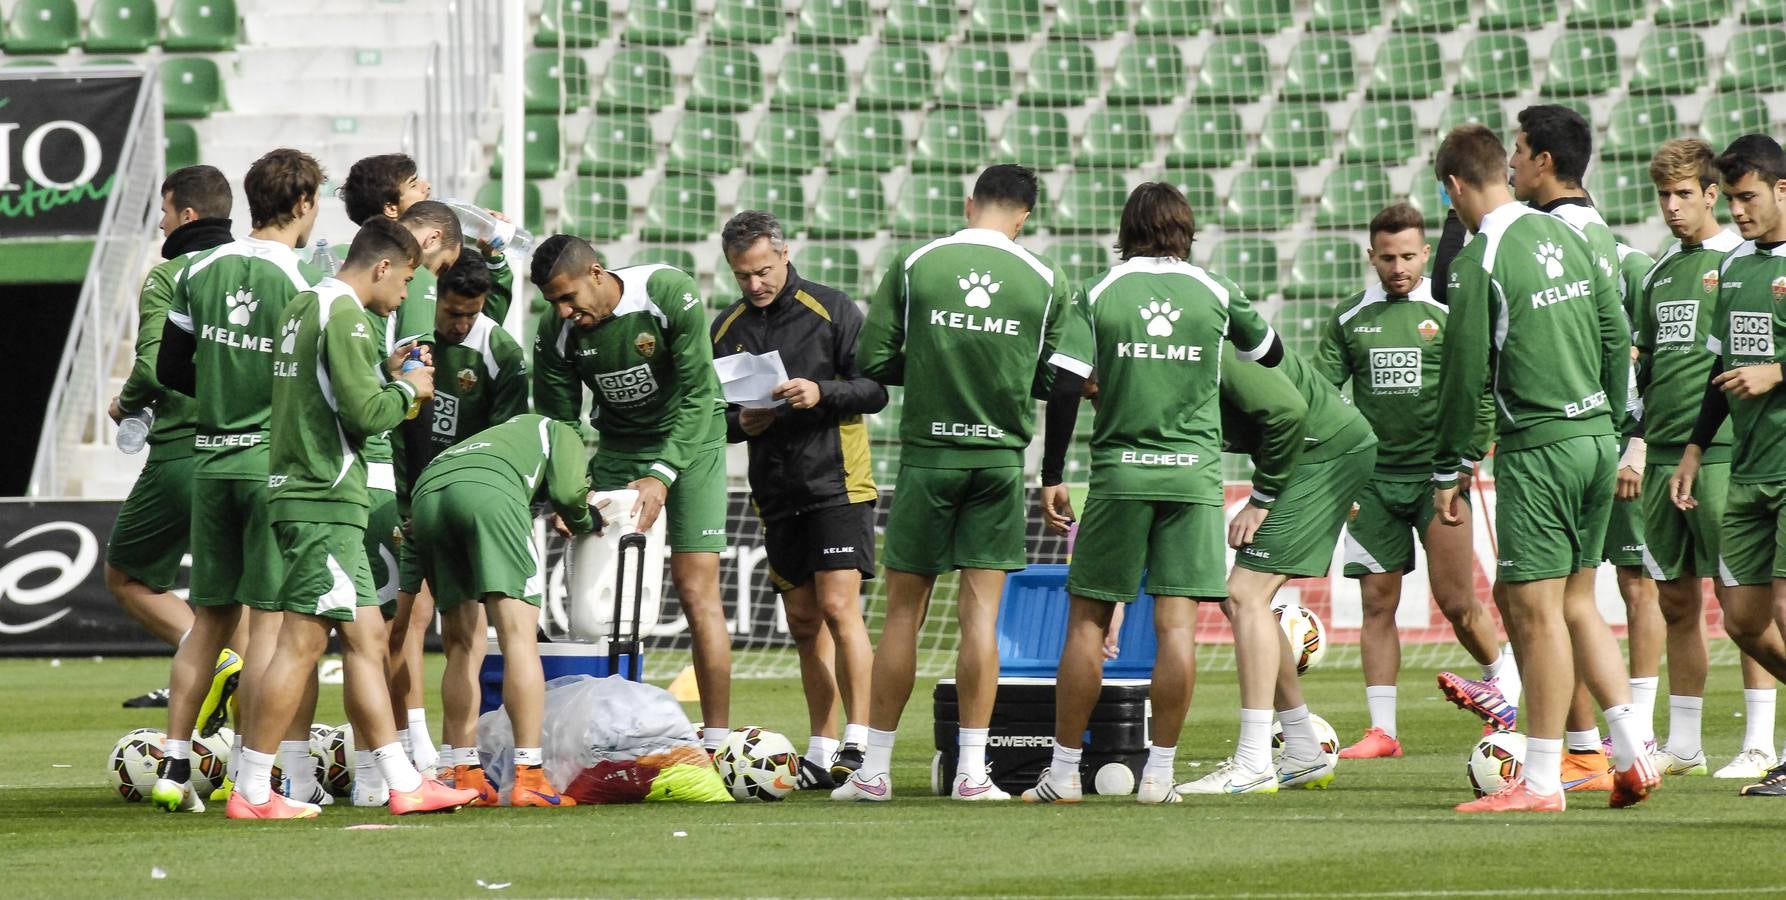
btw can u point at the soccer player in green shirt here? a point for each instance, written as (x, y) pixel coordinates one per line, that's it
(1747, 333)
(1535, 313)
(1388, 341)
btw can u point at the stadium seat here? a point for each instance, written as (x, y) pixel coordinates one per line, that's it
(1484, 111)
(533, 216)
(928, 205)
(1605, 13)
(180, 141)
(122, 26)
(782, 196)
(619, 146)
(1250, 262)
(576, 23)
(1351, 195)
(1260, 199)
(681, 208)
(191, 87)
(1254, 16)
(811, 78)
(705, 144)
(1198, 188)
(1691, 13)
(1115, 139)
(1407, 67)
(1430, 15)
(787, 142)
(1638, 126)
(1294, 134)
(1344, 16)
(43, 26)
(1382, 132)
(1326, 267)
(976, 76)
(541, 146)
(1149, 71)
(1494, 65)
(1727, 117)
(1582, 63)
(1089, 19)
(1207, 136)
(832, 22)
(895, 77)
(920, 21)
(1090, 202)
(726, 80)
(1669, 61)
(659, 23)
(1060, 74)
(1037, 138)
(1321, 67)
(1234, 70)
(596, 209)
(1081, 260)
(28, 62)
(1003, 20)
(951, 140)
(1764, 12)
(552, 78)
(1423, 195)
(850, 206)
(1171, 18)
(746, 21)
(832, 265)
(1517, 15)
(204, 26)
(869, 141)
(1623, 192)
(1755, 61)
(638, 80)
(676, 257)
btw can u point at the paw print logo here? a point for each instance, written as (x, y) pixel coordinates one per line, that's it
(1159, 316)
(980, 288)
(1550, 256)
(241, 307)
(290, 333)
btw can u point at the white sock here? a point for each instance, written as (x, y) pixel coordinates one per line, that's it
(421, 743)
(712, 737)
(1064, 767)
(855, 734)
(1683, 725)
(403, 738)
(1507, 675)
(1544, 765)
(1300, 741)
(877, 757)
(233, 772)
(971, 744)
(1627, 734)
(1380, 698)
(256, 781)
(172, 749)
(399, 773)
(1643, 697)
(465, 756)
(1253, 750)
(1584, 741)
(299, 768)
(1160, 763)
(819, 751)
(528, 756)
(1758, 719)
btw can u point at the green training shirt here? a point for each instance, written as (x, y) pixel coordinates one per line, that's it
(1283, 417)
(1678, 299)
(528, 457)
(478, 382)
(175, 423)
(1749, 329)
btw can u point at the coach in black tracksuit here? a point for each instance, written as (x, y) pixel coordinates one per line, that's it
(809, 474)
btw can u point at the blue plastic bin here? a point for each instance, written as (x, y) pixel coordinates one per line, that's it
(1032, 628)
(557, 660)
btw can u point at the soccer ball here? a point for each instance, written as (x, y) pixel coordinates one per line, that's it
(1496, 760)
(757, 764)
(337, 762)
(1330, 743)
(210, 760)
(1308, 637)
(136, 763)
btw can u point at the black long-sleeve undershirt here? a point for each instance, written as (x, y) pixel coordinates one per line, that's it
(1713, 410)
(174, 366)
(1057, 429)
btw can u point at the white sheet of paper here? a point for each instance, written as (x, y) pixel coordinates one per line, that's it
(749, 380)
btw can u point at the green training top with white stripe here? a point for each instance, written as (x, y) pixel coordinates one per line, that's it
(527, 457)
(1749, 329)
(1678, 299)
(1283, 417)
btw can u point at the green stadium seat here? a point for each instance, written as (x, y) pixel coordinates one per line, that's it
(551, 79)
(1254, 16)
(746, 21)
(1115, 139)
(811, 78)
(1605, 13)
(533, 215)
(1691, 13)
(1494, 65)
(681, 208)
(1198, 188)
(1382, 132)
(575, 23)
(1089, 19)
(1485, 111)
(1638, 126)
(122, 26)
(1300, 324)
(1004, 20)
(204, 26)
(1764, 12)
(1091, 202)
(27, 62)
(1581, 64)
(1321, 67)
(1250, 262)
(896, 77)
(1517, 15)
(541, 147)
(869, 141)
(832, 22)
(596, 209)
(180, 143)
(1082, 260)
(1344, 16)
(705, 144)
(638, 80)
(1171, 18)
(1061, 74)
(675, 257)
(1423, 195)
(1260, 199)
(1351, 195)
(1207, 136)
(850, 206)
(1727, 117)
(928, 205)
(1149, 71)
(976, 76)
(1430, 15)
(1669, 61)
(1623, 192)
(191, 87)
(951, 140)
(659, 23)
(43, 26)
(787, 142)
(1407, 67)
(920, 21)
(617, 146)
(1037, 138)
(832, 265)
(1294, 134)
(782, 196)
(1325, 268)
(726, 80)
(1755, 61)
(1234, 70)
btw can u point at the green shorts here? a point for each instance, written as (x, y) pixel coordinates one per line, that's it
(235, 558)
(945, 519)
(1624, 542)
(409, 563)
(1184, 543)
(474, 540)
(154, 527)
(1552, 505)
(384, 536)
(1383, 524)
(1683, 543)
(1752, 540)
(697, 503)
(325, 569)
(1298, 535)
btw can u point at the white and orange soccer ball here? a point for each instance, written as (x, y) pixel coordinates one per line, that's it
(135, 763)
(758, 764)
(1308, 637)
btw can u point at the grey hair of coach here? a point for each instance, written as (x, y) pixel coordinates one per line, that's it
(748, 227)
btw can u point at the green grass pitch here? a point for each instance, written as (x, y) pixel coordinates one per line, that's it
(1385, 828)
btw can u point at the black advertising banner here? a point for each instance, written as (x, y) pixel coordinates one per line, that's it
(61, 138)
(53, 600)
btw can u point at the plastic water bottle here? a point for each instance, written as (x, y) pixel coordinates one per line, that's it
(322, 259)
(479, 225)
(411, 364)
(133, 431)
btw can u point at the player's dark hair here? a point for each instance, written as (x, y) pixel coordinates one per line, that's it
(277, 182)
(1561, 132)
(373, 183)
(560, 254)
(746, 228)
(1396, 217)
(380, 238)
(202, 189)
(1156, 221)
(1006, 184)
(434, 214)
(1473, 154)
(1755, 153)
(469, 277)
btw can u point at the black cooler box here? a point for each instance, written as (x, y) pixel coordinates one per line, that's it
(1021, 740)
